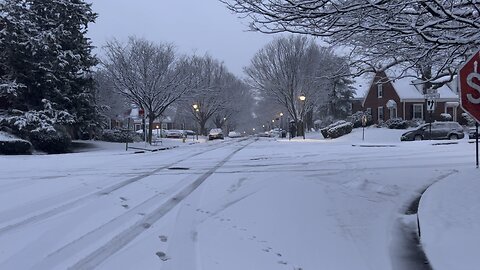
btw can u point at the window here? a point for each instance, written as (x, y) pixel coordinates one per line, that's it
(380, 114)
(369, 111)
(379, 90)
(417, 111)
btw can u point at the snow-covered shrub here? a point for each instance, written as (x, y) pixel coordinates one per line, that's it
(115, 135)
(396, 123)
(356, 119)
(22, 123)
(11, 145)
(470, 121)
(324, 130)
(44, 129)
(337, 129)
(340, 130)
(446, 117)
(51, 141)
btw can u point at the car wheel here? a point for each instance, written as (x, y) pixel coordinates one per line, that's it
(418, 137)
(453, 137)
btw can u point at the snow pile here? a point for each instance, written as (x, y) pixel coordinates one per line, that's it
(450, 222)
(5, 137)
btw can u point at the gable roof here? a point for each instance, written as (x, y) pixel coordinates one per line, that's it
(362, 85)
(406, 88)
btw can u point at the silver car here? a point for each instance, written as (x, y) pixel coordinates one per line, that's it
(439, 131)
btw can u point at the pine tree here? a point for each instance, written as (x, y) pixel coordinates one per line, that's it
(47, 57)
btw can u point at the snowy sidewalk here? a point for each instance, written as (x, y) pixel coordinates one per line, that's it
(450, 222)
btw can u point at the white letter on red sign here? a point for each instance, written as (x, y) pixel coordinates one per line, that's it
(474, 86)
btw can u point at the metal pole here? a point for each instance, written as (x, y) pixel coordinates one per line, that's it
(145, 129)
(476, 143)
(128, 130)
(430, 125)
(303, 128)
(302, 115)
(363, 134)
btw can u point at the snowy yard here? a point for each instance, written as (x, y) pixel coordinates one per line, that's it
(241, 204)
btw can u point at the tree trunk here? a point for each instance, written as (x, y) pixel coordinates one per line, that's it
(151, 119)
(202, 127)
(300, 129)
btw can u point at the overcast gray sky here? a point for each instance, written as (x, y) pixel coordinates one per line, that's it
(194, 26)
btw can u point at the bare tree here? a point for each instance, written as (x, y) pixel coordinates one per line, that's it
(111, 104)
(430, 35)
(149, 75)
(286, 70)
(209, 96)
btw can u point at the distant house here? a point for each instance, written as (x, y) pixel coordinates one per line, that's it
(164, 122)
(386, 98)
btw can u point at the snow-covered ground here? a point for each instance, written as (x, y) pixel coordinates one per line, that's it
(239, 204)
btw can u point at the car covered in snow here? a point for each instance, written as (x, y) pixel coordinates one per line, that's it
(439, 131)
(175, 133)
(234, 134)
(215, 133)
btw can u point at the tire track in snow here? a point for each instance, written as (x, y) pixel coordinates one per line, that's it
(77, 202)
(120, 240)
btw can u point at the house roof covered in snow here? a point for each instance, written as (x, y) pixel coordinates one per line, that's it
(362, 85)
(407, 87)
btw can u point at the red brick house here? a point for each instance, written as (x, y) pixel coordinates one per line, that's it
(401, 98)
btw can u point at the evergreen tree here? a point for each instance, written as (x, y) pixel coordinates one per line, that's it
(46, 57)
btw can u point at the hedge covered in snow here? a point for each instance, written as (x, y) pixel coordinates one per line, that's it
(115, 135)
(337, 129)
(340, 130)
(11, 145)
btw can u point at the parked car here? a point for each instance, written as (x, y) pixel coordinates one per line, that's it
(215, 133)
(234, 134)
(263, 134)
(190, 132)
(440, 131)
(472, 133)
(276, 132)
(175, 133)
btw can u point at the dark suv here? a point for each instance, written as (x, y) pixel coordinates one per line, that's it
(440, 131)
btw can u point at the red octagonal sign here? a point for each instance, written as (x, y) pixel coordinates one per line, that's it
(469, 86)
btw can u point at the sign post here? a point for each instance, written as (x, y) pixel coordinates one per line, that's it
(469, 87)
(364, 123)
(431, 104)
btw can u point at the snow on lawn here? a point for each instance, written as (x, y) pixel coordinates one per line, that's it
(450, 222)
(276, 204)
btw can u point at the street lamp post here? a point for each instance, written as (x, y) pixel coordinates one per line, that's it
(197, 109)
(302, 99)
(225, 123)
(281, 121)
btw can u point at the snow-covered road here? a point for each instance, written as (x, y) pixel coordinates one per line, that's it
(237, 204)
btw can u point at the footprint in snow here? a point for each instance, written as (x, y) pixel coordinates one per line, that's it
(162, 256)
(125, 206)
(163, 238)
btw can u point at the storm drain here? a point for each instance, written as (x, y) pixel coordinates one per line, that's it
(179, 168)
